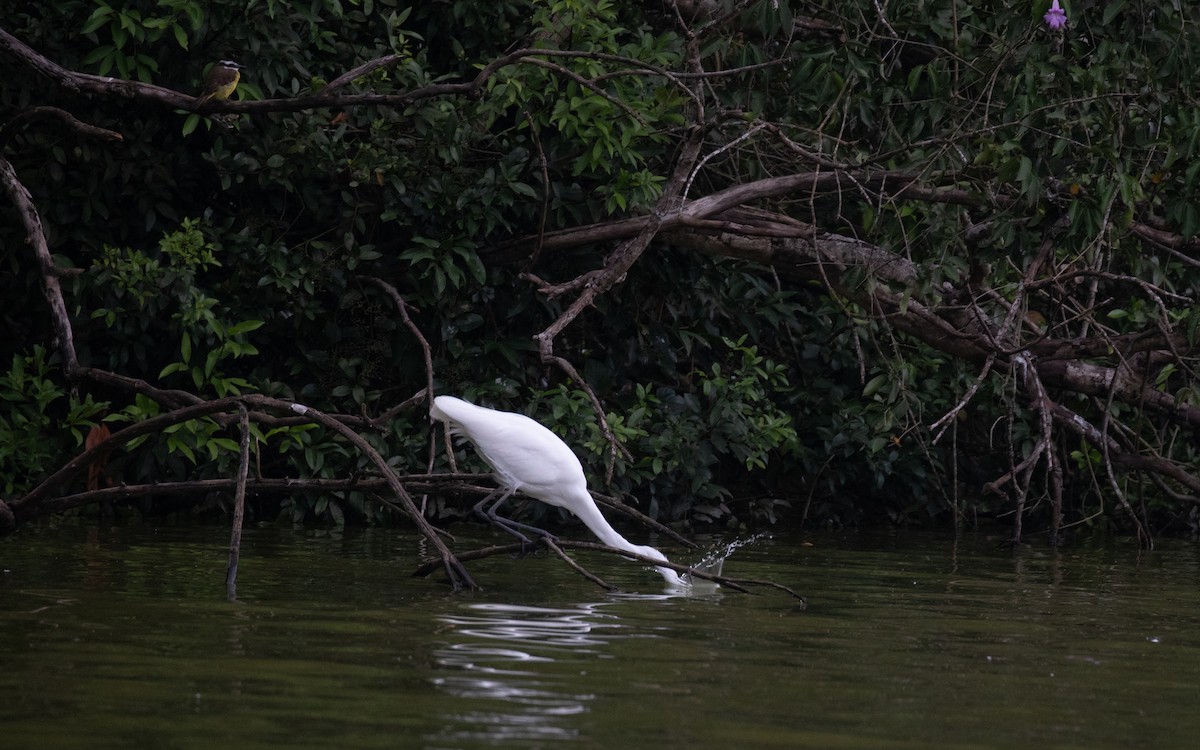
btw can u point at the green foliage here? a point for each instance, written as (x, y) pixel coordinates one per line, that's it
(738, 395)
(681, 441)
(742, 420)
(39, 422)
(151, 283)
(128, 35)
(147, 297)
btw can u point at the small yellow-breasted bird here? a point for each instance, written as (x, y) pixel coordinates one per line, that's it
(220, 82)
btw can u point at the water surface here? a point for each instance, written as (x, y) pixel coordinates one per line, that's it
(121, 636)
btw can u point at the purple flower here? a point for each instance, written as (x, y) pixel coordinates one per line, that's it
(1056, 17)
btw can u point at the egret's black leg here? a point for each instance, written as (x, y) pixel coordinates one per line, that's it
(500, 494)
(513, 527)
(489, 514)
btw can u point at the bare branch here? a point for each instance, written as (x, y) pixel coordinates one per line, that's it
(239, 503)
(28, 505)
(36, 237)
(576, 566)
(21, 119)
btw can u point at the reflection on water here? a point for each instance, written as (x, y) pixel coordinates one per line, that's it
(499, 642)
(123, 638)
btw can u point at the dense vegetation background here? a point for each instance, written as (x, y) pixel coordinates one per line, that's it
(821, 262)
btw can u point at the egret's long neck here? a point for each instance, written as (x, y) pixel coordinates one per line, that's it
(595, 520)
(599, 525)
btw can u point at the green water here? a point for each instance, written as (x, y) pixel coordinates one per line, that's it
(121, 637)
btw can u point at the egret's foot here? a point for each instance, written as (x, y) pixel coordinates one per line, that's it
(533, 546)
(526, 533)
(528, 547)
(527, 544)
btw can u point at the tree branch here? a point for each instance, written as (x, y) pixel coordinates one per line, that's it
(28, 505)
(36, 237)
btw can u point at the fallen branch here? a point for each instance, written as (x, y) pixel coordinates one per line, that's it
(28, 505)
(736, 584)
(576, 566)
(254, 485)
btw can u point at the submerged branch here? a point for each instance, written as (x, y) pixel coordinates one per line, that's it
(736, 584)
(239, 503)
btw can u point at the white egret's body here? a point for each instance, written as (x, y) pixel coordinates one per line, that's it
(529, 458)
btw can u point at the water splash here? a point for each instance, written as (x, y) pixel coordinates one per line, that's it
(713, 561)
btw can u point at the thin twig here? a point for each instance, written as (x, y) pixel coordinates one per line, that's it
(426, 352)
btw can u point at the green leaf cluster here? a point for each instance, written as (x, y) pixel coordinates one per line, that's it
(226, 258)
(40, 421)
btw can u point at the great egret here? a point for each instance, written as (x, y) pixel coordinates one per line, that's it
(526, 456)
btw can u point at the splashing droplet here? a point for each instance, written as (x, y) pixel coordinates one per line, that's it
(713, 561)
